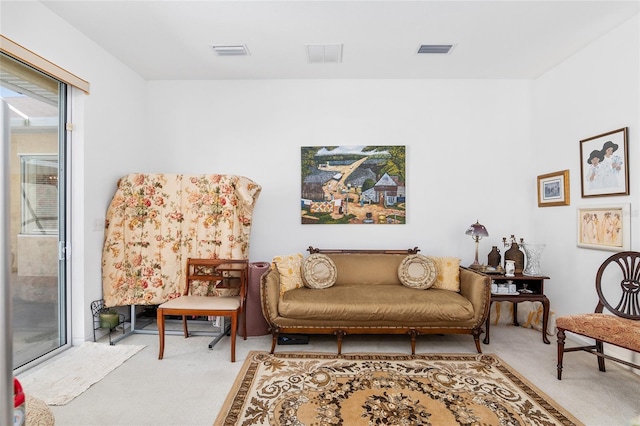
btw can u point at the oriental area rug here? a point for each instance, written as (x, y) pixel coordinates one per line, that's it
(385, 389)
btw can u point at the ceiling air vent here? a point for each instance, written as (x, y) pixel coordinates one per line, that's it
(231, 50)
(324, 53)
(435, 48)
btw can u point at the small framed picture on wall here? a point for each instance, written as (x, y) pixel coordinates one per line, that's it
(604, 164)
(553, 189)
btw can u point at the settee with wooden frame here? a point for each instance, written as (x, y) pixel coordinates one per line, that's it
(369, 298)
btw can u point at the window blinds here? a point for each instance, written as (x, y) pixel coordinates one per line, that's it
(36, 61)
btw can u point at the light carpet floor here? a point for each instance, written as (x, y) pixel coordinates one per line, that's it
(188, 387)
(74, 371)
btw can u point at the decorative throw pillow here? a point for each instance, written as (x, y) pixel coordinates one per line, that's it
(417, 271)
(289, 267)
(448, 273)
(319, 271)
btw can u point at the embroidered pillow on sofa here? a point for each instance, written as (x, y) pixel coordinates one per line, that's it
(417, 271)
(289, 267)
(448, 273)
(319, 271)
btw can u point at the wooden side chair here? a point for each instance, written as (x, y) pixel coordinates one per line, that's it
(618, 288)
(219, 273)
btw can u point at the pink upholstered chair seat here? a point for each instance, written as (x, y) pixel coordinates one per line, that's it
(608, 328)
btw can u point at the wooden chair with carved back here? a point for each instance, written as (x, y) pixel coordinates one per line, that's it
(616, 320)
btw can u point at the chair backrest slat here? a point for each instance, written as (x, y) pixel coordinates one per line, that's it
(619, 291)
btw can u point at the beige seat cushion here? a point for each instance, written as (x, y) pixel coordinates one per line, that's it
(375, 303)
(608, 328)
(226, 303)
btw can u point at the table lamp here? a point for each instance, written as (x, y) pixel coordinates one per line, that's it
(476, 231)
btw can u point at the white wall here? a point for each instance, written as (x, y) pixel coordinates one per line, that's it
(595, 91)
(466, 142)
(108, 140)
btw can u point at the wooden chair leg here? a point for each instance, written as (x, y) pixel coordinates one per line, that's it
(234, 330)
(274, 339)
(184, 326)
(600, 350)
(561, 339)
(160, 321)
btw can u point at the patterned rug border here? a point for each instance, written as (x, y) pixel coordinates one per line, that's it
(238, 393)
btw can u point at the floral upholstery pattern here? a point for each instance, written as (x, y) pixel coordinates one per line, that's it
(156, 221)
(611, 329)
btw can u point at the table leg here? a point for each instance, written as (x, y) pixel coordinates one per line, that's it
(515, 314)
(545, 319)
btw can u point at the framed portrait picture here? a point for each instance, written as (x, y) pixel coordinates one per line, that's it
(553, 189)
(604, 227)
(604, 164)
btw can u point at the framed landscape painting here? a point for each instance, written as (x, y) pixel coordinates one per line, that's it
(604, 164)
(604, 227)
(353, 185)
(553, 189)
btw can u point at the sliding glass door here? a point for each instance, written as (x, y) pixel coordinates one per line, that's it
(35, 135)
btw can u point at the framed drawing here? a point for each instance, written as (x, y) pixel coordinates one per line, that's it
(353, 185)
(604, 164)
(553, 189)
(604, 228)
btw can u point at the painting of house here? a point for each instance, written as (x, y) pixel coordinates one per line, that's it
(353, 185)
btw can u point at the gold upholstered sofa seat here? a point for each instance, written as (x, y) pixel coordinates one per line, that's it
(370, 293)
(393, 304)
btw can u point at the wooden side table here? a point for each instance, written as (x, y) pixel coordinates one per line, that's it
(533, 284)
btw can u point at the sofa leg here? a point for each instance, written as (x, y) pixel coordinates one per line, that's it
(413, 335)
(476, 338)
(339, 334)
(274, 339)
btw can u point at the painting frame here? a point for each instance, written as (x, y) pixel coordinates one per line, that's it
(353, 184)
(553, 189)
(605, 173)
(595, 231)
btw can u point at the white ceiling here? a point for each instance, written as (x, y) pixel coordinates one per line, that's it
(170, 40)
